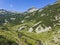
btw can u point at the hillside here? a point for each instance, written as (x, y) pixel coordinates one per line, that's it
(33, 27)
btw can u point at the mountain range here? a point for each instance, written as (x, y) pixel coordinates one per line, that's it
(32, 27)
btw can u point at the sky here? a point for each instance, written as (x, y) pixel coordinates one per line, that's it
(23, 5)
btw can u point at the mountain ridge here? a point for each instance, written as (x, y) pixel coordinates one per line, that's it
(39, 27)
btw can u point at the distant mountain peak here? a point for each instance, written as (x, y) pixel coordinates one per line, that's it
(32, 9)
(2, 10)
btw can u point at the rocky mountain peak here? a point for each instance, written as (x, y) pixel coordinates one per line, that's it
(32, 9)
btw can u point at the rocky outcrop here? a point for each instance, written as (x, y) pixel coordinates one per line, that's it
(21, 28)
(30, 29)
(40, 29)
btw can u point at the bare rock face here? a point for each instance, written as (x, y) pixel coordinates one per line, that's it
(40, 29)
(32, 9)
(30, 29)
(12, 18)
(22, 27)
